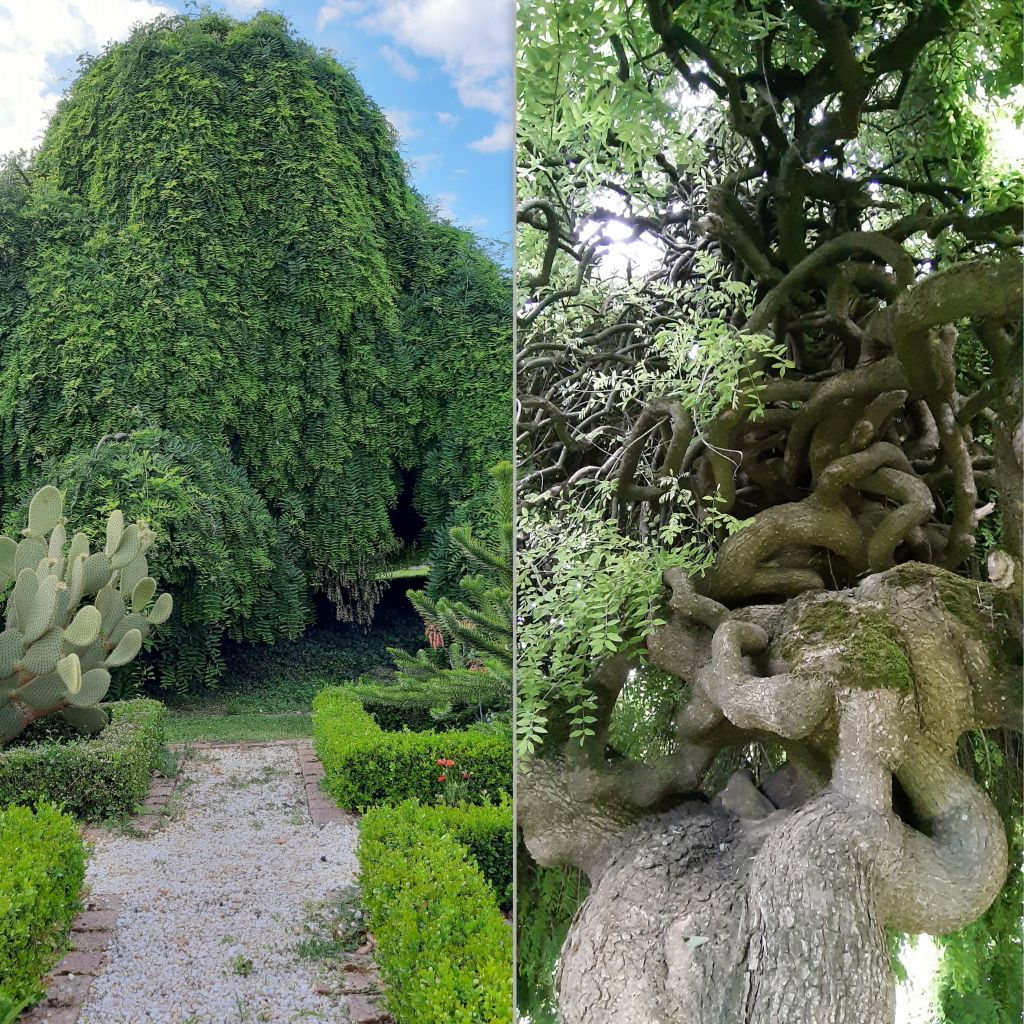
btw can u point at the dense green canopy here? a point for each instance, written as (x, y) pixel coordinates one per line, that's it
(216, 253)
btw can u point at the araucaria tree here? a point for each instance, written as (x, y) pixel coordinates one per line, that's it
(224, 310)
(466, 669)
(771, 445)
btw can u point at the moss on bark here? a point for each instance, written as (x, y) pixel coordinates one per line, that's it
(865, 647)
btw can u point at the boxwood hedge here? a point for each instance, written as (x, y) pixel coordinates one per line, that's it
(444, 949)
(93, 778)
(364, 766)
(485, 831)
(43, 864)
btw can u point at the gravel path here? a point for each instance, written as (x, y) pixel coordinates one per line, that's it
(214, 902)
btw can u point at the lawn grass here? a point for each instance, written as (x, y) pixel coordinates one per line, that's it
(267, 690)
(234, 728)
(283, 678)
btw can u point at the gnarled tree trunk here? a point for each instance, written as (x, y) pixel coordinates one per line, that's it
(749, 910)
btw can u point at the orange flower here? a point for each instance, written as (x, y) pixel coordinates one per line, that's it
(442, 778)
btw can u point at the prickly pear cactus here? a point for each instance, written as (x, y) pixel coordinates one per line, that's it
(71, 616)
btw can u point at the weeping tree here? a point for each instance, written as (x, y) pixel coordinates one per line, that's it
(770, 438)
(224, 309)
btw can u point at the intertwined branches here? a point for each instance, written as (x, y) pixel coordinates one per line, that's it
(800, 250)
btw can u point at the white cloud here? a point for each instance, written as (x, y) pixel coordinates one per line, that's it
(402, 122)
(444, 203)
(448, 120)
(425, 162)
(499, 139)
(472, 40)
(243, 8)
(335, 9)
(398, 63)
(36, 33)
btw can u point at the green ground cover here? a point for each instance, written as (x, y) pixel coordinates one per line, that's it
(238, 728)
(267, 690)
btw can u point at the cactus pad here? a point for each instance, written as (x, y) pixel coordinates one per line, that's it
(79, 546)
(43, 692)
(113, 611)
(31, 551)
(25, 591)
(115, 530)
(7, 687)
(8, 553)
(85, 627)
(133, 574)
(11, 650)
(142, 593)
(41, 611)
(44, 511)
(129, 547)
(70, 671)
(58, 540)
(88, 720)
(161, 610)
(95, 684)
(11, 722)
(130, 645)
(43, 655)
(133, 620)
(55, 647)
(96, 573)
(94, 655)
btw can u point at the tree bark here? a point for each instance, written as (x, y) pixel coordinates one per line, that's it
(744, 911)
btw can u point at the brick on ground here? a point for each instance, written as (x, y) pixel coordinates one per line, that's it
(364, 1010)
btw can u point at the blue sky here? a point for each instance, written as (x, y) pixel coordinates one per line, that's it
(440, 69)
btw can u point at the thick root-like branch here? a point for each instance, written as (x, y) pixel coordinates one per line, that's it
(949, 874)
(680, 435)
(739, 574)
(783, 704)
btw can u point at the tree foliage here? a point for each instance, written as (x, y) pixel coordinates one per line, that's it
(215, 250)
(467, 668)
(770, 346)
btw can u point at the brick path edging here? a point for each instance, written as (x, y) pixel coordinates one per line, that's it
(161, 789)
(67, 985)
(364, 991)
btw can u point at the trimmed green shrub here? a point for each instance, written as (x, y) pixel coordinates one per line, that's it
(105, 776)
(392, 717)
(444, 949)
(484, 830)
(365, 766)
(43, 864)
